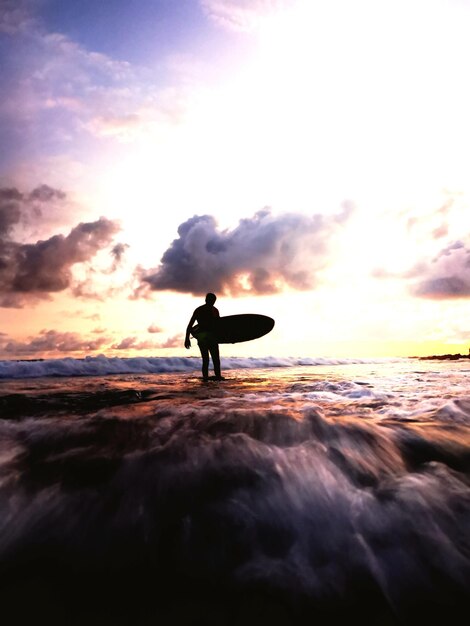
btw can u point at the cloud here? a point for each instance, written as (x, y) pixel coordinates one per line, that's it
(18, 209)
(440, 231)
(69, 54)
(117, 252)
(55, 90)
(81, 314)
(124, 127)
(15, 17)
(134, 343)
(153, 328)
(446, 276)
(32, 213)
(262, 255)
(29, 271)
(10, 209)
(433, 222)
(94, 282)
(44, 193)
(242, 15)
(52, 341)
(176, 341)
(91, 289)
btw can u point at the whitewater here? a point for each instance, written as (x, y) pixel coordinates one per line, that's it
(296, 491)
(103, 365)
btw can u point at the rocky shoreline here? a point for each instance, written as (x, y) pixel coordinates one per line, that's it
(444, 357)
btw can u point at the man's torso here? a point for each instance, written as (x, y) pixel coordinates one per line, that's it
(206, 317)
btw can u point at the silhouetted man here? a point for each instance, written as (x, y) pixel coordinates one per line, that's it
(206, 316)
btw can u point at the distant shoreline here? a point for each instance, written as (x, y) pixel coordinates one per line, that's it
(443, 357)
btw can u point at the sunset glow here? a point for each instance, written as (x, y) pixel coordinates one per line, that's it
(307, 160)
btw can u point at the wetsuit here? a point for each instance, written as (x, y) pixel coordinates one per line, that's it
(206, 317)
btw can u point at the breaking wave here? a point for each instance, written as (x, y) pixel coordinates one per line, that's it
(103, 365)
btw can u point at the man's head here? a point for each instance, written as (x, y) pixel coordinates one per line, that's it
(211, 298)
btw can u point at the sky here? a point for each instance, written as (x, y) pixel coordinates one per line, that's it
(303, 159)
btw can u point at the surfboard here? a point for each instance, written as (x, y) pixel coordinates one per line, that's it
(241, 327)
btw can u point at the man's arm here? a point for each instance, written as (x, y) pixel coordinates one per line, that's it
(187, 340)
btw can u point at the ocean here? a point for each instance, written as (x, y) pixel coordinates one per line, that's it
(296, 491)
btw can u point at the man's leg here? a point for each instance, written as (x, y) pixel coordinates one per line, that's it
(205, 361)
(214, 350)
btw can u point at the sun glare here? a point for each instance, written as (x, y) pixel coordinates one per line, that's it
(320, 104)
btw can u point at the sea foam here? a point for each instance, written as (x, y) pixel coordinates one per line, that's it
(102, 365)
(286, 496)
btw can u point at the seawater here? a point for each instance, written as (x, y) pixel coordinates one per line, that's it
(286, 494)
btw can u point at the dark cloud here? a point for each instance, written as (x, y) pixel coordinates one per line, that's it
(447, 275)
(117, 252)
(20, 208)
(44, 193)
(261, 255)
(10, 209)
(45, 267)
(52, 341)
(30, 271)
